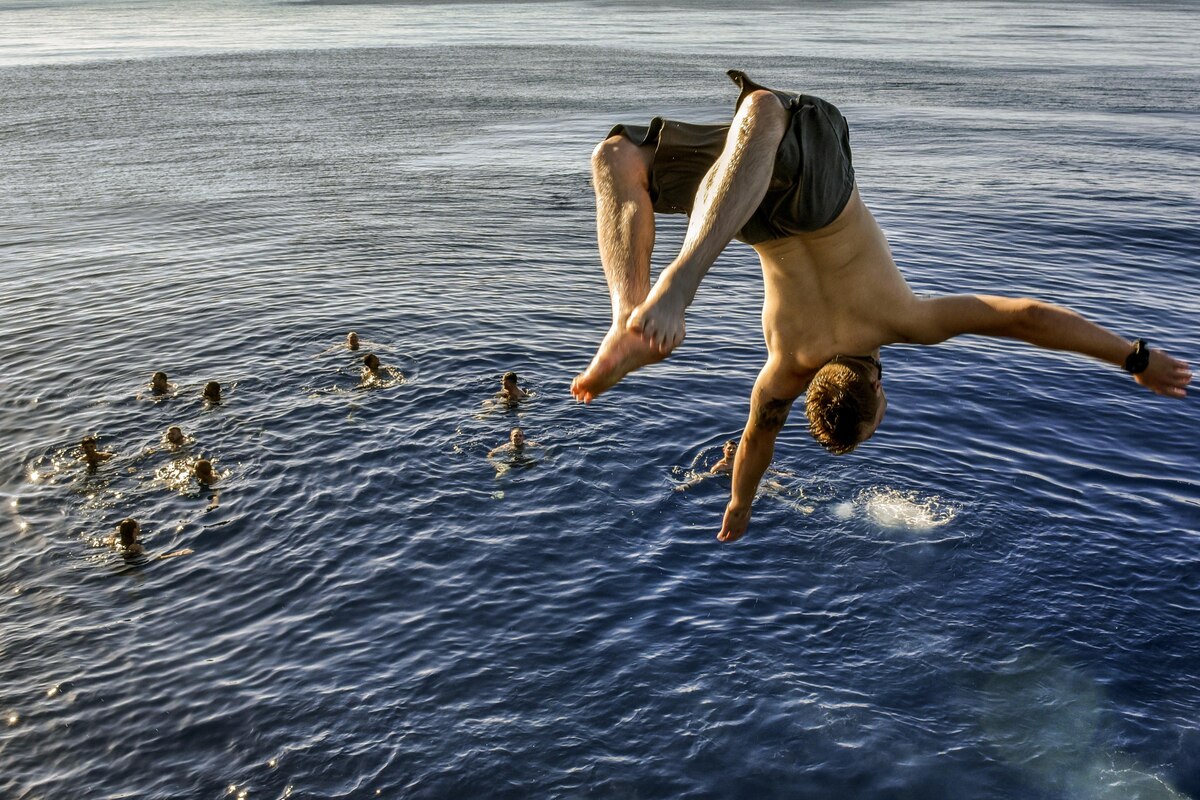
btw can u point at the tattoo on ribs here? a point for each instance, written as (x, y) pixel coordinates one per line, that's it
(772, 414)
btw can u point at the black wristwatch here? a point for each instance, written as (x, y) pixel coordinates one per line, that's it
(1137, 361)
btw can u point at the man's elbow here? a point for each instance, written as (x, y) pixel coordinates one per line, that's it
(1030, 320)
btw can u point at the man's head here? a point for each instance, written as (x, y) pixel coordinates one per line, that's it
(845, 402)
(352, 340)
(730, 449)
(203, 470)
(509, 381)
(212, 392)
(88, 444)
(517, 438)
(371, 362)
(128, 529)
(158, 382)
(175, 435)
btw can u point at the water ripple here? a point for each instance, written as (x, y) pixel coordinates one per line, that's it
(994, 598)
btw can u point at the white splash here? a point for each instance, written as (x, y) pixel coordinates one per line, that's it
(892, 508)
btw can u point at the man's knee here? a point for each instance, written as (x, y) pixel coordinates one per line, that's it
(761, 105)
(617, 154)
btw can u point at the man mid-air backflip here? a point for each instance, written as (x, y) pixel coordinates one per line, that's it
(780, 178)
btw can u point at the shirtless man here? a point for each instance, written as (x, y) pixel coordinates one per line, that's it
(203, 472)
(212, 393)
(510, 392)
(780, 178)
(370, 371)
(159, 385)
(207, 477)
(91, 456)
(128, 540)
(175, 437)
(728, 454)
(516, 444)
(128, 531)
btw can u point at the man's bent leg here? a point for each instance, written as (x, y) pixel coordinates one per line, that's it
(625, 230)
(728, 196)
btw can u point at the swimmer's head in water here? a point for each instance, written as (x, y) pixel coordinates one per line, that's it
(128, 529)
(88, 443)
(203, 470)
(371, 362)
(158, 382)
(352, 340)
(509, 381)
(175, 435)
(212, 392)
(730, 449)
(846, 402)
(517, 438)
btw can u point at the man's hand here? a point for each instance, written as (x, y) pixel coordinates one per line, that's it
(1165, 375)
(734, 525)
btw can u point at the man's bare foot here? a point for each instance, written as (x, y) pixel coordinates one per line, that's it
(659, 319)
(620, 353)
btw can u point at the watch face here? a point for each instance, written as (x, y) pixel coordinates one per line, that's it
(1139, 359)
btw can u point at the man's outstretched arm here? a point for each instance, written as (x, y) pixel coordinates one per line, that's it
(768, 413)
(1043, 324)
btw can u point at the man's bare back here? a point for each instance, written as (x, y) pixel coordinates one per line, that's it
(832, 291)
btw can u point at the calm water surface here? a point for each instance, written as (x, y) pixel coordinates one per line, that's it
(997, 597)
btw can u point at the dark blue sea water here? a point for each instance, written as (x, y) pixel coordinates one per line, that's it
(997, 597)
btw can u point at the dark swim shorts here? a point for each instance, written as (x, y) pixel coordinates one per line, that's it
(811, 182)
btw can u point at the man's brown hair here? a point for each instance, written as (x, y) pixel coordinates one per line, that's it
(128, 528)
(841, 398)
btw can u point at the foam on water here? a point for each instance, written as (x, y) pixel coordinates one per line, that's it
(893, 508)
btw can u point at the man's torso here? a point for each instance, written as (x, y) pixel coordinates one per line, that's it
(833, 291)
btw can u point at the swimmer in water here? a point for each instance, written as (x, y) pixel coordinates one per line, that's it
(352, 340)
(206, 476)
(128, 531)
(203, 472)
(91, 455)
(779, 178)
(516, 444)
(159, 384)
(212, 393)
(127, 537)
(372, 371)
(725, 465)
(174, 437)
(510, 392)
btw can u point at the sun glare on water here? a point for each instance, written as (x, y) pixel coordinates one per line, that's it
(892, 508)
